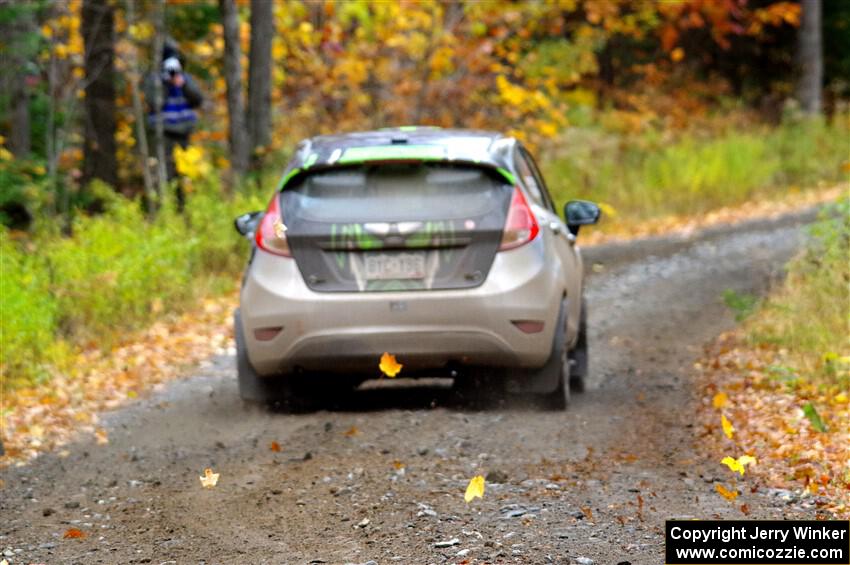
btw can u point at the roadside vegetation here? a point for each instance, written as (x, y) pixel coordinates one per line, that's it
(808, 318)
(782, 381)
(115, 273)
(643, 177)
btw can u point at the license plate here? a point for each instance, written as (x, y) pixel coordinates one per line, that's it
(383, 266)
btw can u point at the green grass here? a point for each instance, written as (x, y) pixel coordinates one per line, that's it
(115, 274)
(653, 175)
(809, 316)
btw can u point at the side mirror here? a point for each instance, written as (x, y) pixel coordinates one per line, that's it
(246, 224)
(579, 213)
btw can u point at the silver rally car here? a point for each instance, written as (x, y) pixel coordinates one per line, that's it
(441, 247)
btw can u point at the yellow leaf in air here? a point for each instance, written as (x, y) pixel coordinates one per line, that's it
(209, 479)
(728, 428)
(389, 366)
(725, 493)
(475, 488)
(738, 465)
(720, 399)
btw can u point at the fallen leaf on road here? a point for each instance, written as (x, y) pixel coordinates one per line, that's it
(209, 479)
(398, 465)
(389, 366)
(275, 446)
(101, 436)
(352, 431)
(726, 493)
(745, 509)
(720, 400)
(728, 428)
(74, 533)
(738, 465)
(475, 488)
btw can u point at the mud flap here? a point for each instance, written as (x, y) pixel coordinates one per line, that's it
(545, 379)
(252, 387)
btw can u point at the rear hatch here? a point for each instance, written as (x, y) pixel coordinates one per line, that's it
(395, 226)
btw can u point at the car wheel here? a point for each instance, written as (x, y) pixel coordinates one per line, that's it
(559, 364)
(578, 354)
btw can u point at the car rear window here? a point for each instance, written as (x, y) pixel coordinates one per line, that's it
(395, 192)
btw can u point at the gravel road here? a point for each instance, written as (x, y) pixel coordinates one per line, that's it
(381, 477)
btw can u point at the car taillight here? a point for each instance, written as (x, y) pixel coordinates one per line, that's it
(271, 235)
(521, 225)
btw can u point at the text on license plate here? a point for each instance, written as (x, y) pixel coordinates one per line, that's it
(380, 266)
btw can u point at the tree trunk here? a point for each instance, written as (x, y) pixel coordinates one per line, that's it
(15, 72)
(159, 133)
(98, 25)
(810, 58)
(237, 134)
(139, 114)
(260, 74)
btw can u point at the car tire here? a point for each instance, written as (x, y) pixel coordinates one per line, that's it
(559, 364)
(578, 354)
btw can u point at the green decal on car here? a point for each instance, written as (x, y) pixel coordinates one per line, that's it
(507, 174)
(392, 152)
(353, 236)
(287, 177)
(309, 161)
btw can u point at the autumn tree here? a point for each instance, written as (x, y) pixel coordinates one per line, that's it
(237, 131)
(260, 74)
(810, 58)
(19, 42)
(98, 29)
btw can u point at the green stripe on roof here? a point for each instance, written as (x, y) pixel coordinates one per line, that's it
(505, 173)
(392, 152)
(287, 177)
(310, 160)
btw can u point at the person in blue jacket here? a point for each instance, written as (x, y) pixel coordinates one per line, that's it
(180, 97)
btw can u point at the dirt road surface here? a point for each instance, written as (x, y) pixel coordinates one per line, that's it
(381, 477)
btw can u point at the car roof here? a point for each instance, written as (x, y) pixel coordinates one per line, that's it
(480, 147)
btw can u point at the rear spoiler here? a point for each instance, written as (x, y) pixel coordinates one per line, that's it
(379, 154)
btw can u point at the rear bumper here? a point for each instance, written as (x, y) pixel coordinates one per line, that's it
(424, 329)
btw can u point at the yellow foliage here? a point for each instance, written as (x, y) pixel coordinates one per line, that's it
(190, 162)
(608, 210)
